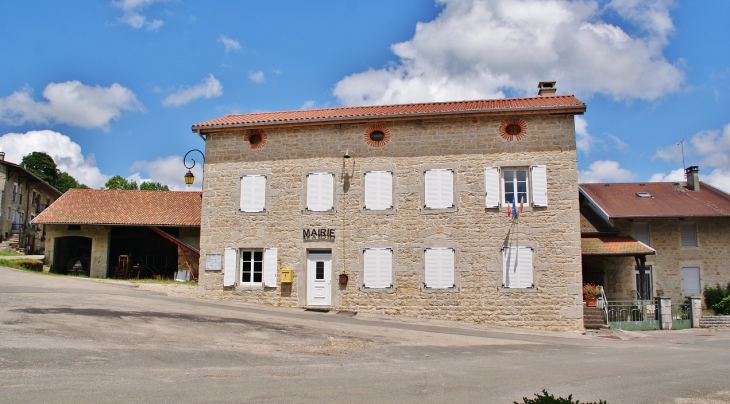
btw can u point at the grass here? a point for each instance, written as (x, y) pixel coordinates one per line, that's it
(9, 254)
(157, 281)
(14, 264)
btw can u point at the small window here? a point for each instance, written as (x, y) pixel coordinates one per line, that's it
(643, 195)
(252, 267)
(378, 268)
(514, 184)
(688, 235)
(641, 232)
(439, 189)
(320, 192)
(378, 190)
(439, 268)
(253, 193)
(517, 267)
(691, 280)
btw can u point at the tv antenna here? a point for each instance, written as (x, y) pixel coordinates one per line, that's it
(681, 144)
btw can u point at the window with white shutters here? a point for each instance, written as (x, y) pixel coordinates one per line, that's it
(688, 234)
(439, 189)
(378, 268)
(320, 192)
(439, 268)
(253, 193)
(691, 280)
(539, 185)
(641, 232)
(491, 187)
(378, 190)
(517, 267)
(515, 186)
(229, 267)
(259, 267)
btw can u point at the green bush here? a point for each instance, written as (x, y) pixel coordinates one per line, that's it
(723, 307)
(546, 398)
(714, 295)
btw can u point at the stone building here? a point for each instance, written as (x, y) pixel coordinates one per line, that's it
(116, 233)
(683, 227)
(399, 209)
(23, 196)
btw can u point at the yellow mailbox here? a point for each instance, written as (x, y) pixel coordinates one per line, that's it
(286, 275)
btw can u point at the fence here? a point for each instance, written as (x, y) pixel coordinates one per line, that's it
(632, 315)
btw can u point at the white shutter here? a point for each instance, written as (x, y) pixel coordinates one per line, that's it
(253, 193)
(370, 268)
(385, 267)
(688, 234)
(229, 267)
(320, 191)
(439, 268)
(517, 267)
(270, 267)
(641, 232)
(509, 273)
(491, 187)
(378, 190)
(691, 280)
(539, 186)
(439, 188)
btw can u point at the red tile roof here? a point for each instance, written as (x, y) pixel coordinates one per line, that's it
(129, 208)
(396, 111)
(667, 199)
(616, 246)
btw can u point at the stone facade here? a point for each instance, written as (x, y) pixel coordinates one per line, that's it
(466, 144)
(712, 256)
(99, 236)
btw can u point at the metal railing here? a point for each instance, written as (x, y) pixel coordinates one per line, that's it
(605, 304)
(681, 315)
(632, 315)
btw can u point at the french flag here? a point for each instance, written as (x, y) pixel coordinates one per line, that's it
(514, 208)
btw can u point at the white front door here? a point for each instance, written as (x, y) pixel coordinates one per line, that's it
(319, 278)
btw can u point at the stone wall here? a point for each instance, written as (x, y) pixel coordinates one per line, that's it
(465, 144)
(100, 238)
(712, 255)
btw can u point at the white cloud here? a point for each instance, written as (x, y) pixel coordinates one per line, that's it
(585, 142)
(65, 153)
(670, 153)
(619, 144)
(309, 104)
(70, 102)
(713, 147)
(257, 77)
(479, 48)
(132, 14)
(605, 171)
(673, 176)
(168, 171)
(210, 87)
(718, 178)
(230, 44)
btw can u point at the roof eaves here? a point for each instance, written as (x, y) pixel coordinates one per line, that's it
(596, 207)
(578, 109)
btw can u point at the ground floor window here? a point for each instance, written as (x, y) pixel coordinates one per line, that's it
(517, 267)
(252, 266)
(378, 267)
(648, 291)
(439, 268)
(691, 280)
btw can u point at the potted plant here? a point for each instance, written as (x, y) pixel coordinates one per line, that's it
(591, 293)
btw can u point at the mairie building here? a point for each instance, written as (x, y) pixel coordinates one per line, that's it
(462, 210)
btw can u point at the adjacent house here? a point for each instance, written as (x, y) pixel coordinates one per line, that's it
(116, 233)
(24, 196)
(678, 232)
(462, 210)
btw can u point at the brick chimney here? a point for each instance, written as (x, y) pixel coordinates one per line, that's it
(693, 177)
(546, 88)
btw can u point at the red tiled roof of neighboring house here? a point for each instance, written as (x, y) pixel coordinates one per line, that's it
(127, 208)
(396, 111)
(617, 246)
(665, 199)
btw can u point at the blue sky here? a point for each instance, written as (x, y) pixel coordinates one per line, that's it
(112, 87)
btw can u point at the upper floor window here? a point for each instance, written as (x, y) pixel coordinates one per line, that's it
(378, 190)
(507, 186)
(320, 192)
(688, 233)
(253, 193)
(641, 232)
(439, 188)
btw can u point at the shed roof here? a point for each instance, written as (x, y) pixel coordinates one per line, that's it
(615, 246)
(124, 208)
(660, 199)
(540, 103)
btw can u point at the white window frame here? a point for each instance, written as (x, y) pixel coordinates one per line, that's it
(377, 268)
(269, 266)
(503, 183)
(437, 177)
(685, 290)
(688, 234)
(495, 189)
(312, 203)
(442, 260)
(253, 193)
(378, 188)
(518, 264)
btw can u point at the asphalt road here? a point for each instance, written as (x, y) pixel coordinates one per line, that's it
(71, 340)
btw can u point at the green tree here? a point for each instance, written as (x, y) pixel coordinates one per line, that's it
(42, 165)
(64, 182)
(119, 182)
(153, 186)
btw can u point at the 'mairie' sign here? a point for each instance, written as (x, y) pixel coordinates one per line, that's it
(318, 234)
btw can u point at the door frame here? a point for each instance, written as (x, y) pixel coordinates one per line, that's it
(326, 282)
